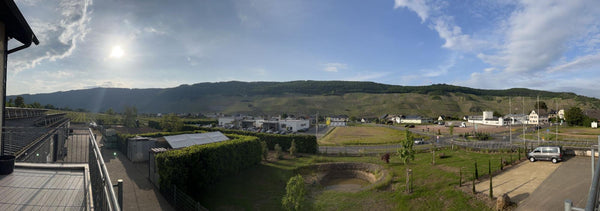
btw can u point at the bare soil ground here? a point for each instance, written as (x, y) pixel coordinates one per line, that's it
(459, 130)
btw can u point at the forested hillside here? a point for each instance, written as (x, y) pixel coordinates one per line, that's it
(307, 97)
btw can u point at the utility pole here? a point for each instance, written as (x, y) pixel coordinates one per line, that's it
(524, 118)
(511, 120)
(317, 126)
(538, 120)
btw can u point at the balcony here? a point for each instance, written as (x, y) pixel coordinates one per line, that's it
(56, 167)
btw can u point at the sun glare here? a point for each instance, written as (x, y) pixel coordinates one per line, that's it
(117, 52)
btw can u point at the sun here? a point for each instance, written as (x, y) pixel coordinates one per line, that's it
(117, 52)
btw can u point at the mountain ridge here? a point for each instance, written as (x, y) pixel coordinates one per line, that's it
(298, 97)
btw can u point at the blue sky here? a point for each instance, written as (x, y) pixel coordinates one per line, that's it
(550, 45)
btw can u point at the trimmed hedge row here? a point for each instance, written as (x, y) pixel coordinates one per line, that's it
(192, 168)
(304, 143)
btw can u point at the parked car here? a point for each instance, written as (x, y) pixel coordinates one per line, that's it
(419, 141)
(551, 153)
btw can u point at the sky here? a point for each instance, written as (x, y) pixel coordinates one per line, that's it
(550, 45)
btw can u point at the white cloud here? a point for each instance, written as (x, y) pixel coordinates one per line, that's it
(334, 67)
(418, 6)
(582, 62)
(539, 33)
(443, 24)
(453, 36)
(59, 35)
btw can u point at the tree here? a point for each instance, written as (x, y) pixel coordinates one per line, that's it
(498, 114)
(265, 150)
(10, 103)
(20, 102)
(574, 116)
(109, 111)
(406, 152)
(293, 148)
(130, 116)
(171, 123)
(284, 115)
(35, 105)
(277, 151)
(353, 119)
(543, 105)
(49, 106)
(295, 193)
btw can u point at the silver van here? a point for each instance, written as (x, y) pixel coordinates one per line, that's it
(551, 153)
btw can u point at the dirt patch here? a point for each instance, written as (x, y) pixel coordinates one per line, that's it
(326, 173)
(459, 130)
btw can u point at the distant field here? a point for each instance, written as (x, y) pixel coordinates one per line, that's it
(363, 135)
(566, 134)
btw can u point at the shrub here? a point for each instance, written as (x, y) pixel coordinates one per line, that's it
(295, 192)
(265, 150)
(194, 167)
(278, 151)
(386, 157)
(293, 148)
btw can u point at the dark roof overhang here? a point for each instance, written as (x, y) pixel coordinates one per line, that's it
(16, 25)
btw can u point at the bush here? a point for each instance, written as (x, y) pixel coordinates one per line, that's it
(295, 192)
(194, 167)
(278, 151)
(293, 149)
(265, 150)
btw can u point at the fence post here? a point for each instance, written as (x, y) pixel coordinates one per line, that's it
(120, 193)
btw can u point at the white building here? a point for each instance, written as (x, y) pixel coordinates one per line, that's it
(337, 121)
(226, 121)
(415, 120)
(488, 118)
(294, 124)
(535, 119)
(594, 124)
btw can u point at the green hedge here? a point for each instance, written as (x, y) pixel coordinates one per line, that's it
(193, 168)
(304, 143)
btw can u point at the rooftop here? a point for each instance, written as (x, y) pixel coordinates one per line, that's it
(186, 140)
(45, 187)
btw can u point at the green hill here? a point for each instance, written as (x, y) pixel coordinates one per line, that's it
(361, 99)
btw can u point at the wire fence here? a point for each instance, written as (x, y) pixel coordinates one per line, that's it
(180, 200)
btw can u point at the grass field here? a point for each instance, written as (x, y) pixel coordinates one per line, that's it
(566, 134)
(363, 135)
(435, 186)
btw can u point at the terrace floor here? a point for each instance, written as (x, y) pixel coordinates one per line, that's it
(44, 187)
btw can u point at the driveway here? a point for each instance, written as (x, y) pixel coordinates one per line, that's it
(520, 181)
(571, 181)
(543, 185)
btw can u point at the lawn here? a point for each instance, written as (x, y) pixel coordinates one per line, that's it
(363, 135)
(435, 186)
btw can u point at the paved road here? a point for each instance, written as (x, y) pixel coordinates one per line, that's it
(138, 192)
(571, 180)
